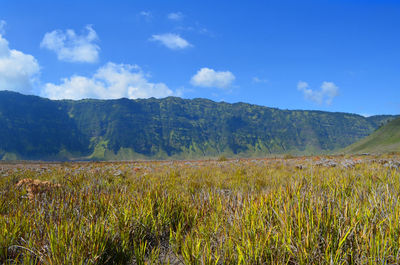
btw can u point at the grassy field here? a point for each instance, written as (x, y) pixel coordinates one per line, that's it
(311, 210)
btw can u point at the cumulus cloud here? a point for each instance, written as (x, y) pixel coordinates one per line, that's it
(18, 71)
(207, 77)
(175, 16)
(325, 95)
(71, 47)
(171, 41)
(109, 82)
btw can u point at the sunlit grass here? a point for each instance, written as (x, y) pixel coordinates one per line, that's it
(210, 212)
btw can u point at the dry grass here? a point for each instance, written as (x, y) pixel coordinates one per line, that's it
(36, 187)
(319, 210)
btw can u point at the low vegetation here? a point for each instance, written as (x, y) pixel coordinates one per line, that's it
(384, 140)
(310, 210)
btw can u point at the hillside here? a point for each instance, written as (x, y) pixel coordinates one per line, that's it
(385, 139)
(36, 128)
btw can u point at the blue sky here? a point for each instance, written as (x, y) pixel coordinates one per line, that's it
(326, 55)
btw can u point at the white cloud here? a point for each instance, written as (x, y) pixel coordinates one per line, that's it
(259, 80)
(301, 85)
(18, 71)
(2, 27)
(325, 95)
(147, 15)
(71, 47)
(207, 77)
(175, 16)
(330, 91)
(110, 81)
(172, 41)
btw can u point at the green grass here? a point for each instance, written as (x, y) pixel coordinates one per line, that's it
(384, 140)
(205, 212)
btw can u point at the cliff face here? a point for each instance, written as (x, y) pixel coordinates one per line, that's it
(36, 128)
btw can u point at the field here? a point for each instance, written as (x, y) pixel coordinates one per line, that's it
(308, 210)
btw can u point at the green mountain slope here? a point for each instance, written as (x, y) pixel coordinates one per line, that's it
(385, 139)
(37, 128)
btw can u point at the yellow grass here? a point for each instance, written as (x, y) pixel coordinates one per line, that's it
(316, 210)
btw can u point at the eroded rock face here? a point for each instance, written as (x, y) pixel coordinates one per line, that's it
(35, 187)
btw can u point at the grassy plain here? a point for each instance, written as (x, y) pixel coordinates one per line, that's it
(309, 210)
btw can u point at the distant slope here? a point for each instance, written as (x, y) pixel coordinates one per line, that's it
(36, 128)
(385, 139)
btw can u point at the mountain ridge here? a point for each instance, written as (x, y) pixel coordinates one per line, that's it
(32, 127)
